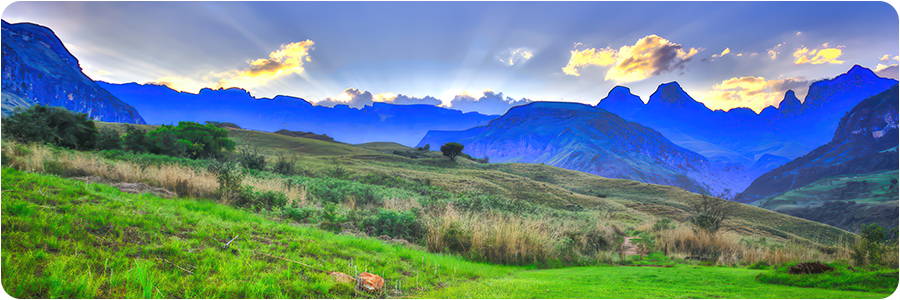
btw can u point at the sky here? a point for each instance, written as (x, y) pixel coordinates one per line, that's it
(482, 56)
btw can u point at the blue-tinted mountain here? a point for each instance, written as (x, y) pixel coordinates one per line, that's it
(742, 136)
(38, 69)
(379, 122)
(865, 141)
(584, 138)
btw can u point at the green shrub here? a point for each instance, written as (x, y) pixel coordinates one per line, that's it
(257, 200)
(663, 224)
(870, 248)
(135, 140)
(108, 139)
(452, 150)
(456, 238)
(284, 166)
(250, 158)
(404, 225)
(50, 125)
(304, 214)
(165, 141)
(229, 178)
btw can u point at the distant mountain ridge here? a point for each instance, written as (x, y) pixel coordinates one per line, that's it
(742, 136)
(38, 69)
(865, 141)
(404, 124)
(584, 138)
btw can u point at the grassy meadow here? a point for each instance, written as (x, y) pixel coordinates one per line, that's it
(432, 227)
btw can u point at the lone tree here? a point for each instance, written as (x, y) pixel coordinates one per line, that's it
(709, 210)
(452, 150)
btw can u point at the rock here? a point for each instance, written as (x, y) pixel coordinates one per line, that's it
(341, 277)
(810, 268)
(369, 282)
(140, 188)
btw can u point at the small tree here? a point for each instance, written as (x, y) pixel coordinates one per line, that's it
(452, 150)
(51, 125)
(709, 211)
(870, 248)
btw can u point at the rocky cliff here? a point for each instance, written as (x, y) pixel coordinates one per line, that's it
(37, 69)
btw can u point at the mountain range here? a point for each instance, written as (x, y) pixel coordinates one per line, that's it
(760, 142)
(403, 124)
(38, 69)
(584, 138)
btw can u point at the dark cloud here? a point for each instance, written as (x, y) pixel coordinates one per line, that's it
(889, 72)
(359, 99)
(406, 100)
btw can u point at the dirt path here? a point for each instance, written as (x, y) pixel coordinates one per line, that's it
(630, 248)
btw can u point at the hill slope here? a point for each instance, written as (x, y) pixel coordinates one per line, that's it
(37, 69)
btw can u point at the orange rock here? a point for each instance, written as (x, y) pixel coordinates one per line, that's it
(370, 282)
(341, 277)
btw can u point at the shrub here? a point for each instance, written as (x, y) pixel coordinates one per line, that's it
(203, 141)
(663, 224)
(257, 200)
(250, 158)
(300, 214)
(229, 178)
(284, 166)
(51, 125)
(404, 225)
(108, 139)
(135, 140)
(870, 248)
(165, 141)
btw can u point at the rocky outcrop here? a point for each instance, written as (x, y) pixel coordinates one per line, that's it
(37, 69)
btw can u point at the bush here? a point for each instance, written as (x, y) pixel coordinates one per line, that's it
(663, 224)
(395, 224)
(870, 248)
(283, 166)
(135, 140)
(229, 178)
(300, 214)
(257, 200)
(165, 141)
(250, 158)
(109, 139)
(50, 125)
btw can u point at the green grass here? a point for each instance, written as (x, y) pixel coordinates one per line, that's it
(830, 189)
(878, 280)
(67, 239)
(681, 281)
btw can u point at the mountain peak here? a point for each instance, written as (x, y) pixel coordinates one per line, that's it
(857, 69)
(790, 101)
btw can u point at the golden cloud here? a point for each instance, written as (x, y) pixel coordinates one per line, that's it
(817, 56)
(755, 93)
(888, 56)
(287, 60)
(881, 67)
(651, 55)
(726, 51)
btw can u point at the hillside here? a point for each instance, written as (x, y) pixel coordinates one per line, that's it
(38, 69)
(587, 139)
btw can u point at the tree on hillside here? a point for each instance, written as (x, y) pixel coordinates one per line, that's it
(709, 211)
(452, 150)
(109, 139)
(204, 141)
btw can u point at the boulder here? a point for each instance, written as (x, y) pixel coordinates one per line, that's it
(341, 277)
(369, 282)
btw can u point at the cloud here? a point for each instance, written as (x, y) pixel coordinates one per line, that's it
(726, 51)
(798, 33)
(356, 98)
(287, 60)
(888, 56)
(651, 55)
(773, 53)
(490, 103)
(755, 93)
(890, 71)
(514, 56)
(817, 56)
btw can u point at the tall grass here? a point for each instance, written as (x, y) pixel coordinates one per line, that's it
(728, 248)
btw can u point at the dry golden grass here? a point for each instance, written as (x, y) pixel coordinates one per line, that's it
(727, 248)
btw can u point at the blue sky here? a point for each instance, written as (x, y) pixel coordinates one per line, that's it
(360, 52)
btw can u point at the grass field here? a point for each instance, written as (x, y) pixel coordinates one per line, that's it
(879, 188)
(680, 281)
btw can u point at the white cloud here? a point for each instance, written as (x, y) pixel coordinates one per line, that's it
(515, 56)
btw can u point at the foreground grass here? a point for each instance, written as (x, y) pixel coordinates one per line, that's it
(680, 281)
(68, 239)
